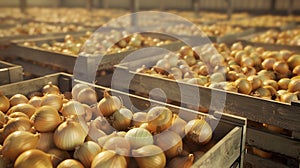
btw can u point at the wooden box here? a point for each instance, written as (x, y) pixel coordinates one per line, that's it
(225, 150)
(10, 73)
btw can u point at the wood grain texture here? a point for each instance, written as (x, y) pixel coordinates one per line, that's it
(10, 73)
(252, 161)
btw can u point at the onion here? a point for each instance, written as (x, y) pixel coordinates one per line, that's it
(247, 62)
(255, 81)
(262, 92)
(217, 77)
(150, 156)
(58, 153)
(181, 161)
(293, 61)
(288, 97)
(178, 125)
(272, 83)
(159, 119)
(268, 63)
(121, 119)
(3, 119)
(162, 66)
(18, 99)
(102, 124)
(118, 144)
(190, 60)
(170, 142)
(35, 101)
(139, 118)
(109, 159)
(18, 115)
(172, 59)
(46, 141)
(4, 103)
(139, 137)
(16, 124)
(186, 50)
(294, 85)
(77, 88)
(296, 70)
(18, 142)
(281, 67)
(198, 131)
(27, 109)
(53, 100)
(69, 134)
(86, 152)
(72, 107)
(108, 104)
(46, 119)
(243, 86)
(70, 163)
(87, 96)
(34, 158)
(50, 89)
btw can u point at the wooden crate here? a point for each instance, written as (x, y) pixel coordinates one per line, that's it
(283, 115)
(10, 73)
(225, 150)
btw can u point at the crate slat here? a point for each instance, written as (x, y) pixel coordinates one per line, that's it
(10, 73)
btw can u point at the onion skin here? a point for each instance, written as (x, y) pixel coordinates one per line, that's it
(159, 119)
(18, 142)
(46, 141)
(198, 131)
(243, 86)
(294, 85)
(121, 119)
(109, 159)
(53, 100)
(35, 101)
(46, 119)
(86, 152)
(72, 107)
(181, 162)
(33, 158)
(118, 144)
(87, 96)
(27, 109)
(50, 89)
(170, 142)
(107, 105)
(17, 99)
(70, 163)
(150, 156)
(139, 137)
(4, 103)
(69, 134)
(16, 124)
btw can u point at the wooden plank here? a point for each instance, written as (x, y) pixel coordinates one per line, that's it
(273, 143)
(10, 73)
(258, 162)
(224, 153)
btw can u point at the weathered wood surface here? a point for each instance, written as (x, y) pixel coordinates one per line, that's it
(10, 73)
(252, 161)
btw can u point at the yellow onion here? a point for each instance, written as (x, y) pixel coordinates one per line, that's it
(3, 119)
(34, 158)
(53, 100)
(281, 67)
(18, 142)
(109, 159)
(198, 131)
(72, 107)
(69, 134)
(46, 141)
(86, 152)
(46, 119)
(296, 70)
(101, 141)
(94, 133)
(181, 161)
(87, 96)
(59, 155)
(262, 92)
(4, 103)
(89, 111)
(17, 99)
(70, 163)
(159, 119)
(170, 142)
(293, 61)
(268, 63)
(283, 83)
(149, 156)
(139, 118)
(121, 119)
(178, 125)
(108, 104)
(237, 46)
(272, 83)
(18, 115)
(288, 97)
(102, 124)
(118, 144)
(139, 137)
(34, 94)
(16, 124)
(294, 85)
(27, 109)
(77, 88)
(50, 89)
(243, 86)
(35, 101)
